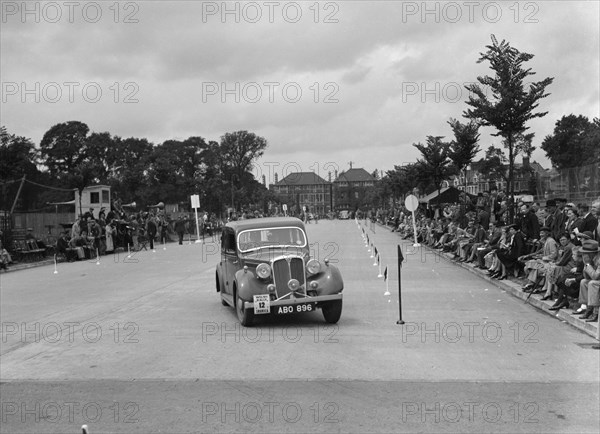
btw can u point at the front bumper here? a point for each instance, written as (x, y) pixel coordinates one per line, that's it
(298, 300)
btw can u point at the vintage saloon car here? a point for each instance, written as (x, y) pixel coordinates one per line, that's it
(266, 268)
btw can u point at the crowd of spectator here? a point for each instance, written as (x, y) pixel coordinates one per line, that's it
(553, 248)
(90, 236)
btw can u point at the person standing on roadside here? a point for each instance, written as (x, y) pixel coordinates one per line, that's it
(151, 229)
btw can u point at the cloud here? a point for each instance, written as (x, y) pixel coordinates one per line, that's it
(375, 77)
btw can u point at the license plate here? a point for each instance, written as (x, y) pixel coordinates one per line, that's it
(262, 304)
(295, 308)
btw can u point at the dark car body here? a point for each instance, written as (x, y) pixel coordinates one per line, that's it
(266, 268)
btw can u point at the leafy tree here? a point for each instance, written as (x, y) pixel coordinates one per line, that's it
(18, 157)
(435, 164)
(463, 149)
(237, 153)
(493, 166)
(239, 150)
(62, 147)
(510, 106)
(574, 140)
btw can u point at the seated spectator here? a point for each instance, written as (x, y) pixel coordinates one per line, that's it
(489, 244)
(465, 236)
(479, 237)
(589, 286)
(560, 266)
(536, 263)
(573, 221)
(492, 263)
(510, 258)
(5, 257)
(568, 283)
(63, 246)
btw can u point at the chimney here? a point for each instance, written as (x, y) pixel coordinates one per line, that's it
(276, 178)
(525, 161)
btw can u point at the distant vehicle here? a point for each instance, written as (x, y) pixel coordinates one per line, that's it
(344, 215)
(266, 268)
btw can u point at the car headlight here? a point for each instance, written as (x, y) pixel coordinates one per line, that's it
(263, 271)
(313, 266)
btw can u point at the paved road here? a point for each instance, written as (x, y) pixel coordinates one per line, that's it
(143, 344)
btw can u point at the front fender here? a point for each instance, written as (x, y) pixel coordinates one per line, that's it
(248, 285)
(329, 280)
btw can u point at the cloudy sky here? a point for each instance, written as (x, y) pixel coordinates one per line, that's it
(326, 83)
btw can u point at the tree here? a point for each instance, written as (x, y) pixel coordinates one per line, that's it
(493, 166)
(435, 164)
(463, 149)
(63, 147)
(574, 138)
(18, 157)
(239, 150)
(237, 153)
(511, 106)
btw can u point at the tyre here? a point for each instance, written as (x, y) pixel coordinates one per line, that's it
(332, 311)
(245, 316)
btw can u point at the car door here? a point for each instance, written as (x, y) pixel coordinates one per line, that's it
(230, 259)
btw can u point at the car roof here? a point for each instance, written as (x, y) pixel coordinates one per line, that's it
(265, 222)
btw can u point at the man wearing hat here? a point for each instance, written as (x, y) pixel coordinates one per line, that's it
(589, 287)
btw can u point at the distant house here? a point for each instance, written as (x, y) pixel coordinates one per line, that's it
(304, 189)
(528, 178)
(350, 189)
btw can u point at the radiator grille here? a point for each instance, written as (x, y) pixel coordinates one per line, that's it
(285, 269)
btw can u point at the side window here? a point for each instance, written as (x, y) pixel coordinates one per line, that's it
(229, 240)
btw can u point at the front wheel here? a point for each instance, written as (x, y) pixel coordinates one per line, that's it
(332, 311)
(245, 316)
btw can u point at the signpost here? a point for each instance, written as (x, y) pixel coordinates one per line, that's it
(284, 206)
(412, 203)
(196, 204)
(400, 260)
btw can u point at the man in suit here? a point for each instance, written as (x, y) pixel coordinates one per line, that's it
(590, 221)
(530, 226)
(556, 219)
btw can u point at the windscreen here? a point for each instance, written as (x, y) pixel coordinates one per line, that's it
(271, 237)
